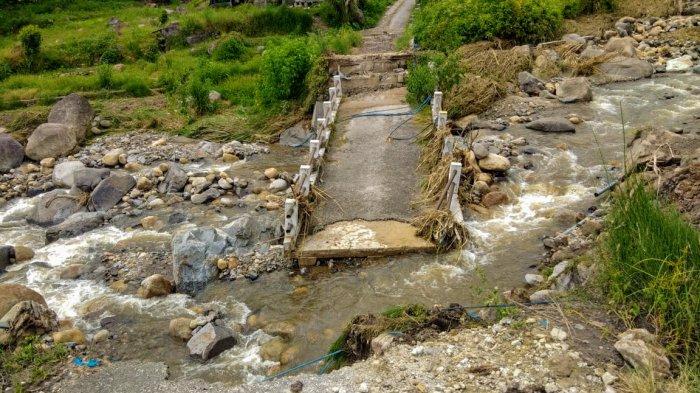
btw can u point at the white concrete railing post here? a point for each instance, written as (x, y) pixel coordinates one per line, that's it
(437, 105)
(448, 146)
(314, 147)
(291, 223)
(328, 112)
(304, 182)
(455, 174)
(338, 84)
(442, 120)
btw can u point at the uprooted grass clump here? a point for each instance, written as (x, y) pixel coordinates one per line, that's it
(402, 321)
(651, 269)
(472, 95)
(441, 227)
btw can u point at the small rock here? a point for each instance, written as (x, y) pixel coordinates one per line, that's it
(558, 334)
(180, 328)
(23, 253)
(69, 336)
(680, 64)
(533, 279)
(154, 286)
(495, 163)
(278, 185)
(271, 173)
(152, 223)
(551, 124)
(111, 158)
(210, 341)
(48, 162)
(100, 336)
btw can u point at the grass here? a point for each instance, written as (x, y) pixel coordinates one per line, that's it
(644, 381)
(29, 363)
(651, 269)
(78, 49)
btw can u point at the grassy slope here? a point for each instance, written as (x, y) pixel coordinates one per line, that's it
(73, 26)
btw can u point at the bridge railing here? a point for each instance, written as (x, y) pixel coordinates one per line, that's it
(323, 119)
(451, 192)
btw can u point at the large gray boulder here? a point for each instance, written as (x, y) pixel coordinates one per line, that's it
(175, 180)
(74, 112)
(640, 349)
(64, 173)
(529, 83)
(54, 207)
(110, 192)
(551, 124)
(50, 140)
(210, 341)
(572, 90)
(241, 233)
(75, 225)
(87, 179)
(625, 69)
(11, 153)
(194, 255)
(26, 318)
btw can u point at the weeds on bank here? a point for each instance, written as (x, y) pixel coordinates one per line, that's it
(651, 268)
(29, 363)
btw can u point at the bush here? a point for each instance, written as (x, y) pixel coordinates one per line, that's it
(5, 70)
(420, 83)
(198, 96)
(30, 37)
(651, 267)
(137, 87)
(283, 70)
(229, 49)
(357, 13)
(111, 55)
(447, 24)
(89, 51)
(105, 77)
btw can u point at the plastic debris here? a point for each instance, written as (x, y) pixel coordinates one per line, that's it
(85, 362)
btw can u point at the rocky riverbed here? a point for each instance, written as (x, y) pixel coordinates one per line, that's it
(160, 249)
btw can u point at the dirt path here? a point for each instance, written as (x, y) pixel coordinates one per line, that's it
(382, 37)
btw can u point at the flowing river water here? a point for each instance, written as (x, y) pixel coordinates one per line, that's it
(566, 170)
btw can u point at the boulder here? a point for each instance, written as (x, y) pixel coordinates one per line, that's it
(88, 178)
(154, 286)
(494, 198)
(529, 83)
(110, 192)
(25, 318)
(50, 140)
(574, 90)
(180, 328)
(534, 279)
(11, 153)
(574, 38)
(206, 196)
(71, 272)
(175, 180)
(241, 233)
(494, 163)
(23, 253)
(7, 257)
(296, 136)
(53, 207)
(64, 173)
(278, 185)
(74, 112)
(625, 69)
(73, 335)
(640, 349)
(11, 294)
(680, 64)
(195, 252)
(552, 124)
(75, 225)
(282, 329)
(624, 46)
(210, 341)
(100, 336)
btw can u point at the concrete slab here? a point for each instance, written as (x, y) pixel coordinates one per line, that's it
(361, 239)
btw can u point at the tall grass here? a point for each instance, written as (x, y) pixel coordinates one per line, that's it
(651, 268)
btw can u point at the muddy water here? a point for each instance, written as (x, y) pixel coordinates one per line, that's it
(507, 245)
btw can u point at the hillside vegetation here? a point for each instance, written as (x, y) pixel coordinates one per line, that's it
(264, 61)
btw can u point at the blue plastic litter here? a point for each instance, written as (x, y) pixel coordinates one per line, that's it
(90, 363)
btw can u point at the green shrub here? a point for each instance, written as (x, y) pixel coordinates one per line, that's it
(89, 51)
(229, 49)
(137, 87)
(105, 77)
(198, 96)
(420, 83)
(5, 70)
(283, 70)
(447, 24)
(30, 38)
(111, 55)
(651, 267)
